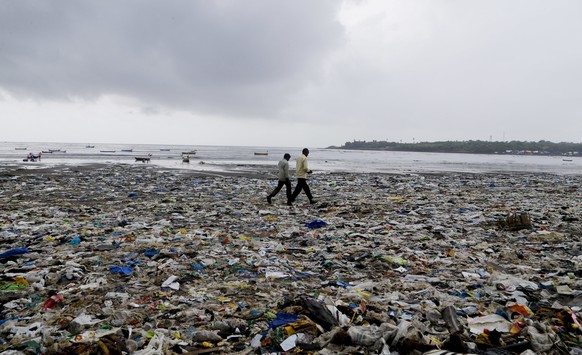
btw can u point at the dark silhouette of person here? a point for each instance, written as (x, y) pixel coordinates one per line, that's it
(302, 171)
(283, 179)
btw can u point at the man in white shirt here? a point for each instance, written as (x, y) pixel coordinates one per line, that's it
(283, 179)
(302, 170)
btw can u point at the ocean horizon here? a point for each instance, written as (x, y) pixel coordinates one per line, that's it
(261, 158)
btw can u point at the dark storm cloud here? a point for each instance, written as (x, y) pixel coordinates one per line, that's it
(224, 57)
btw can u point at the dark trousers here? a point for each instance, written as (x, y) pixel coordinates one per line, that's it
(287, 184)
(301, 185)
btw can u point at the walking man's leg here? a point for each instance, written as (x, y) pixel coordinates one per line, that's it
(288, 190)
(275, 191)
(308, 192)
(301, 185)
(298, 188)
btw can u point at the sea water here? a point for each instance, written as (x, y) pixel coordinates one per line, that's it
(233, 158)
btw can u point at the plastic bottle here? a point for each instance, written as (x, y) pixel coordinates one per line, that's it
(75, 241)
(52, 301)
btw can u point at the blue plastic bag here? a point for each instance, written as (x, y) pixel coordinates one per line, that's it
(283, 318)
(76, 240)
(197, 266)
(121, 270)
(151, 252)
(16, 251)
(316, 223)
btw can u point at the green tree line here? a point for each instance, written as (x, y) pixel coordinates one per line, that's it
(472, 146)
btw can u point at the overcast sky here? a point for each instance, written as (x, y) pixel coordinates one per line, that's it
(290, 73)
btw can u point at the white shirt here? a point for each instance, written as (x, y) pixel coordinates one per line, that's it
(302, 168)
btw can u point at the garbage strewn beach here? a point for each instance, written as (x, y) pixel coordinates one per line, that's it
(121, 258)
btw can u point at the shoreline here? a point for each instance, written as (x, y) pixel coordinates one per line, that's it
(254, 170)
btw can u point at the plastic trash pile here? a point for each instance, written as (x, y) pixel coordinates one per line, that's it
(125, 259)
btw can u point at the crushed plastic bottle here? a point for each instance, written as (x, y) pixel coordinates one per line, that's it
(52, 301)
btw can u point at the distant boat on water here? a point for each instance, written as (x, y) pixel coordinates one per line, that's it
(20, 148)
(107, 151)
(567, 159)
(192, 152)
(89, 146)
(261, 153)
(52, 151)
(127, 150)
(144, 159)
(164, 149)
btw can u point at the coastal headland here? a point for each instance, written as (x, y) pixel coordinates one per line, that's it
(541, 147)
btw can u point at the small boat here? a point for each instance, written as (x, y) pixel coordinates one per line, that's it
(107, 151)
(127, 150)
(567, 159)
(261, 153)
(192, 152)
(186, 159)
(164, 149)
(57, 151)
(20, 148)
(144, 159)
(89, 146)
